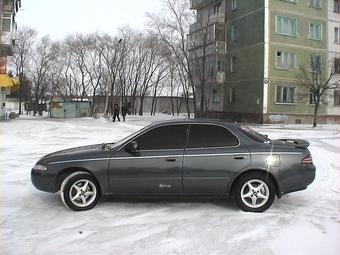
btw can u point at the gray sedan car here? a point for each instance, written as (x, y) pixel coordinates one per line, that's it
(182, 157)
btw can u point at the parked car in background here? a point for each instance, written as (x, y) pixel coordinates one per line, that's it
(182, 157)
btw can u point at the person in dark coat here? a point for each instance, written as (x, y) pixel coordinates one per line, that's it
(124, 111)
(115, 113)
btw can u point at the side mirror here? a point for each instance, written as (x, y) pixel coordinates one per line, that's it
(133, 147)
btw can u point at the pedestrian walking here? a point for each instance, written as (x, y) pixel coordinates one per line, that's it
(124, 111)
(115, 113)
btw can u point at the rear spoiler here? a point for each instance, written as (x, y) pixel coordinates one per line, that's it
(297, 142)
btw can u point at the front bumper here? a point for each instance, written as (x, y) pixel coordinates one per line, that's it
(44, 181)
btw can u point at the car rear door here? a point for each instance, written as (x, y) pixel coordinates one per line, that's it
(212, 156)
(157, 165)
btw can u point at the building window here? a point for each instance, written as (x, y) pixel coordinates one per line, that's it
(217, 8)
(336, 35)
(315, 31)
(336, 97)
(311, 97)
(315, 63)
(337, 65)
(233, 33)
(336, 6)
(290, 1)
(232, 95)
(285, 95)
(233, 5)
(210, 34)
(6, 22)
(57, 105)
(210, 66)
(220, 64)
(219, 34)
(286, 60)
(232, 64)
(286, 26)
(216, 97)
(315, 3)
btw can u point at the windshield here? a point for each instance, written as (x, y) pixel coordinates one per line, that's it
(252, 134)
(124, 140)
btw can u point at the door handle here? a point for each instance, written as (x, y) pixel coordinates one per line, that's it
(240, 157)
(170, 159)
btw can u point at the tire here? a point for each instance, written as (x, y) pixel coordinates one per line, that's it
(80, 191)
(254, 192)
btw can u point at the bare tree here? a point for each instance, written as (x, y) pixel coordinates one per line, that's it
(22, 52)
(112, 59)
(54, 81)
(154, 68)
(79, 46)
(173, 29)
(94, 66)
(185, 87)
(318, 84)
(43, 56)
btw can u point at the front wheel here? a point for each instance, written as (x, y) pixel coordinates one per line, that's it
(80, 191)
(254, 192)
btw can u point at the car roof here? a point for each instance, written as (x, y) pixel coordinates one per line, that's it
(193, 121)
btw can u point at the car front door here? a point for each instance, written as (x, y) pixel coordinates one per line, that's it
(155, 167)
(212, 156)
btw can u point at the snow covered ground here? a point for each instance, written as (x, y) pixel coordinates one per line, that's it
(34, 222)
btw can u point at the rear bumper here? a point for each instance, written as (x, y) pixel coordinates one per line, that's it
(306, 175)
(44, 181)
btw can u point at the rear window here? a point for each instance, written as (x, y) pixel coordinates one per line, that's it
(252, 134)
(207, 136)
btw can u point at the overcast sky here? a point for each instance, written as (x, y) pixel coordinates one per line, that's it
(62, 17)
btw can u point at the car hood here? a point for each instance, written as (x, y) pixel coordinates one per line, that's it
(93, 151)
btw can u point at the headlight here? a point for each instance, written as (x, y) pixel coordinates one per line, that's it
(40, 167)
(273, 160)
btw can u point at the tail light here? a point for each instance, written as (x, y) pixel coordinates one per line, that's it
(307, 160)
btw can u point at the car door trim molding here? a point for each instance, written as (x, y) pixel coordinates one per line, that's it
(177, 156)
(78, 160)
(148, 157)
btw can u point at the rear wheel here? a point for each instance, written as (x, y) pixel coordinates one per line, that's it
(80, 191)
(254, 192)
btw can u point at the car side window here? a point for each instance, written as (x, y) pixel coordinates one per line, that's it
(205, 136)
(163, 138)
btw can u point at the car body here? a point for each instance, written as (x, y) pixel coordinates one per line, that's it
(180, 157)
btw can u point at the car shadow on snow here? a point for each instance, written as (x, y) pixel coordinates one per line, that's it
(49, 201)
(222, 202)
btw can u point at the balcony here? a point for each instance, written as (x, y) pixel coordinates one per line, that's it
(6, 44)
(213, 19)
(217, 47)
(198, 4)
(7, 34)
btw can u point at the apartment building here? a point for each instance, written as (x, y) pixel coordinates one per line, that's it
(333, 110)
(207, 48)
(267, 42)
(8, 10)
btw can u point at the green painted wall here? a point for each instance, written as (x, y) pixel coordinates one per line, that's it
(302, 101)
(243, 7)
(248, 48)
(302, 31)
(301, 45)
(71, 110)
(300, 7)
